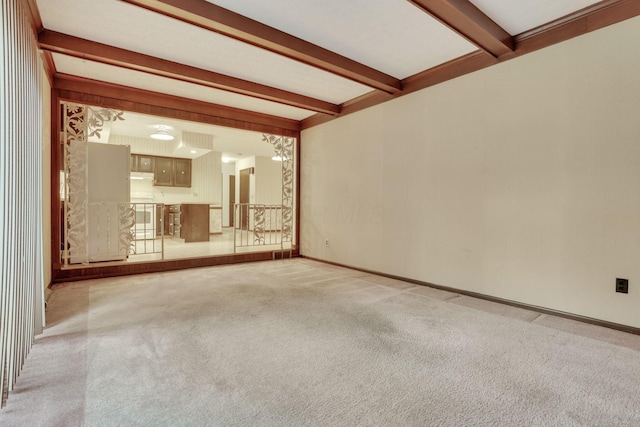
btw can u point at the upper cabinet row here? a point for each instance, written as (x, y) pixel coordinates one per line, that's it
(172, 172)
(141, 163)
(167, 171)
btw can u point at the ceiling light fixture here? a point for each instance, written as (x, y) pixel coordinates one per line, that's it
(162, 134)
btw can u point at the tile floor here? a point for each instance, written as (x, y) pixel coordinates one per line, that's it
(218, 244)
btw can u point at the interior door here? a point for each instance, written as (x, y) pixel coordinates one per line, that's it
(245, 190)
(232, 197)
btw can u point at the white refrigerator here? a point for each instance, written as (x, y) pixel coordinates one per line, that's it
(109, 217)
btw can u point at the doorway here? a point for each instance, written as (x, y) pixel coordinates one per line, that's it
(245, 191)
(232, 197)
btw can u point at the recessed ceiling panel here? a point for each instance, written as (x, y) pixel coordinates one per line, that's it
(522, 15)
(229, 140)
(137, 79)
(123, 25)
(392, 36)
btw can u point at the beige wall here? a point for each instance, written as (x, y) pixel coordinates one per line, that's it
(520, 181)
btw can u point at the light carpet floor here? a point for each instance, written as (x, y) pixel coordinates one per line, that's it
(302, 343)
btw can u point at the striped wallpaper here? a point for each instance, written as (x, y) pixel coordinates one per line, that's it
(20, 191)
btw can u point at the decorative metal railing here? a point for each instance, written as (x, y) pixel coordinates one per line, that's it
(114, 232)
(258, 225)
(148, 229)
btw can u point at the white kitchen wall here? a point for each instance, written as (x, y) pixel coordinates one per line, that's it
(268, 181)
(246, 163)
(519, 181)
(206, 169)
(269, 190)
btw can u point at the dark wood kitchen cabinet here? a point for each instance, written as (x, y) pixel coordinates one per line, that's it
(142, 163)
(145, 163)
(163, 171)
(172, 172)
(194, 222)
(189, 221)
(182, 172)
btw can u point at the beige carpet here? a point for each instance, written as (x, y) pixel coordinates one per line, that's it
(301, 343)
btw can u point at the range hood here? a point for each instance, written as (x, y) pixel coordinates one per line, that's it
(142, 176)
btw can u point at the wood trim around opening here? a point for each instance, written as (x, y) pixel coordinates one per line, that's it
(141, 101)
(133, 104)
(56, 161)
(98, 272)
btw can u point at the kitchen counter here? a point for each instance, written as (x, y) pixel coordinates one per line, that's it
(192, 221)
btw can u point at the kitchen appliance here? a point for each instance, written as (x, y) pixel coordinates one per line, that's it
(145, 225)
(107, 193)
(142, 203)
(148, 216)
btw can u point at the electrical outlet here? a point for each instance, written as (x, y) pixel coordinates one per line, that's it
(622, 286)
(326, 242)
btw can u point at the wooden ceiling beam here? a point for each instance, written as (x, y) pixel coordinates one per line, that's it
(111, 95)
(589, 19)
(457, 67)
(223, 21)
(466, 19)
(52, 41)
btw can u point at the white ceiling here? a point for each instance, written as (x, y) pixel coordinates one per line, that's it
(234, 144)
(125, 77)
(391, 37)
(118, 24)
(522, 15)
